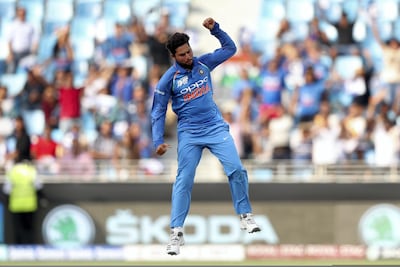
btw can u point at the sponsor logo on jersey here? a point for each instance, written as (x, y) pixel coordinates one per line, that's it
(195, 89)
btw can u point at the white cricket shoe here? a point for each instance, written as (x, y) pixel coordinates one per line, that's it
(176, 240)
(247, 223)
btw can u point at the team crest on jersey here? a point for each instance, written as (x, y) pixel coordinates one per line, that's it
(182, 81)
(201, 71)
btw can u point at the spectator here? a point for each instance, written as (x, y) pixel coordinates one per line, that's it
(354, 126)
(122, 84)
(301, 143)
(50, 106)
(279, 136)
(345, 44)
(272, 87)
(262, 149)
(30, 98)
(22, 40)
(316, 34)
(127, 152)
(246, 115)
(102, 150)
(69, 102)
(62, 55)
(7, 104)
(116, 48)
(389, 74)
(76, 162)
(21, 148)
(307, 98)
(45, 152)
(235, 130)
(385, 137)
(286, 33)
(325, 131)
(159, 55)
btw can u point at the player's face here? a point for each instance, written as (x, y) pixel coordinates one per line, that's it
(184, 56)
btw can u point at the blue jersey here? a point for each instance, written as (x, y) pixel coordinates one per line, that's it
(191, 91)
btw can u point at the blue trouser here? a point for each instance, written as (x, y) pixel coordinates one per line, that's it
(190, 147)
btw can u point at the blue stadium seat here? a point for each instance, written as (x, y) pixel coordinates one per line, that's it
(7, 9)
(350, 7)
(300, 10)
(83, 48)
(46, 45)
(59, 10)
(35, 10)
(333, 12)
(273, 9)
(301, 30)
(82, 28)
(80, 70)
(117, 10)
(388, 10)
(267, 30)
(3, 49)
(396, 29)
(142, 8)
(385, 29)
(34, 121)
(178, 12)
(346, 65)
(90, 9)
(14, 82)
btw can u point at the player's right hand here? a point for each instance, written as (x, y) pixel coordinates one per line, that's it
(161, 149)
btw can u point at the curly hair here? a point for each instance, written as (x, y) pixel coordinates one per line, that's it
(176, 40)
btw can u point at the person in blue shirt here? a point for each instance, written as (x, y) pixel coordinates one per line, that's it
(200, 125)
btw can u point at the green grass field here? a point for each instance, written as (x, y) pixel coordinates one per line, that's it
(216, 263)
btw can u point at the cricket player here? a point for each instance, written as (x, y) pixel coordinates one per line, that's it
(200, 125)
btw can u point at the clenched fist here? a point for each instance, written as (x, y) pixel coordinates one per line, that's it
(209, 23)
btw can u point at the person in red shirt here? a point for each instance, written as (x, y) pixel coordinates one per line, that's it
(69, 102)
(44, 151)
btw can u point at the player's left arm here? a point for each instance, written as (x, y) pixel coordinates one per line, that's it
(227, 49)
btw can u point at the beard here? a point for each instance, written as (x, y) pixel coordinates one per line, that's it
(186, 66)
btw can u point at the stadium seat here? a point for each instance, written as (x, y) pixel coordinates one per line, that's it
(80, 70)
(89, 9)
(267, 30)
(388, 10)
(142, 8)
(35, 10)
(396, 29)
(385, 29)
(350, 7)
(59, 10)
(117, 10)
(273, 9)
(346, 65)
(3, 49)
(333, 11)
(34, 121)
(178, 11)
(82, 28)
(301, 30)
(14, 82)
(46, 45)
(7, 9)
(293, 10)
(83, 48)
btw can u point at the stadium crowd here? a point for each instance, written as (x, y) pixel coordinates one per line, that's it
(304, 101)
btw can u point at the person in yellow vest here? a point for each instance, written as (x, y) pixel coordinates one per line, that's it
(23, 189)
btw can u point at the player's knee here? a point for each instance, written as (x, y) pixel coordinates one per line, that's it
(238, 175)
